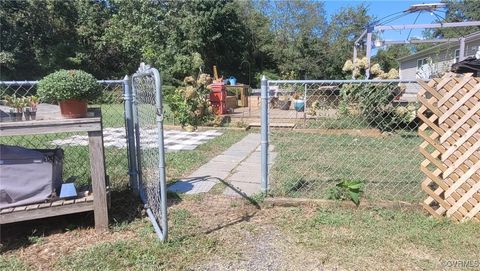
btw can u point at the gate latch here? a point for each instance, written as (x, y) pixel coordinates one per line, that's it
(159, 113)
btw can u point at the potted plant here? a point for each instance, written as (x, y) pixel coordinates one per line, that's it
(9, 102)
(16, 105)
(298, 102)
(71, 89)
(31, 111)
(284, 103)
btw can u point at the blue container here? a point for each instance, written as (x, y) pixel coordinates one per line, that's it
(299, 105)
(232, 80)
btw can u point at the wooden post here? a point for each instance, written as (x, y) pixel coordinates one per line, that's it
(97, 168)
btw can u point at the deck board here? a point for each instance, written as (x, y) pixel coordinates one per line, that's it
(47, 209)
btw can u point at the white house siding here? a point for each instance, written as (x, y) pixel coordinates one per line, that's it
(441, 60)
(441, 63)
(408, 69)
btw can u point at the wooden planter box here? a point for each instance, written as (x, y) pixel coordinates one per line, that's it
(231, 102)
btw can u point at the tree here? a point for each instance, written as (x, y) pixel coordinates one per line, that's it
(39, 35)
(345, 27)
(387, 58)
(457, 11)
(258, 56)
(299, 29)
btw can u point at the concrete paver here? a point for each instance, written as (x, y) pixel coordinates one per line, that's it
(218, 168)
(239, 166)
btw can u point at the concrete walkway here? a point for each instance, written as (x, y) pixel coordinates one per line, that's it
(239, 165)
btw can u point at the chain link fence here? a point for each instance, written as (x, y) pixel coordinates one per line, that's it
(75, 145)
(326, 132)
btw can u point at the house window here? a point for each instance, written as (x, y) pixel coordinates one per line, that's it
(421, 62)
(457, 56)
(424, 68)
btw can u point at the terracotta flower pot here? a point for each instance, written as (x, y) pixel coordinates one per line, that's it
(72, 109)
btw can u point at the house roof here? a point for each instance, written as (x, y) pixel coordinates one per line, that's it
(470, 37)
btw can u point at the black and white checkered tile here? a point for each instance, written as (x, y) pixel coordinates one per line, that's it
(174, 140)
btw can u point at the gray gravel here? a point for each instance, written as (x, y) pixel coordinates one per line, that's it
(263, 252)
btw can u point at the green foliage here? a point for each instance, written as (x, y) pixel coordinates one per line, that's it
(190, 103)
(373, 102)
(345, 27)
(457, 11)
(387, 58)
(299, 28)
(19, 103)
(271, 75)
(68, 84)
(346, 190)
(243, 38)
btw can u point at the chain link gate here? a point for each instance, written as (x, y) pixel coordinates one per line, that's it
(150, 152)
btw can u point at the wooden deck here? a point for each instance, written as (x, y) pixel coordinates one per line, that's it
(83, 203)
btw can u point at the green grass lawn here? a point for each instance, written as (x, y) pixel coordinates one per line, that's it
(342, 122)
(113, 114)
(308, 164)
(380, 239)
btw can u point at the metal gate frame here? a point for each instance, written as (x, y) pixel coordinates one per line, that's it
(156, 214)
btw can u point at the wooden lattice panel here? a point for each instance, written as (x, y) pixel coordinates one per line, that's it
(450, 115)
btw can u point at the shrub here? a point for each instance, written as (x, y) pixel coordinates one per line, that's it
(373, 102)
(190, 103)
(347, 189)
(68, 84)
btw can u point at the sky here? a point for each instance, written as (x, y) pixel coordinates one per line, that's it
(383, 8)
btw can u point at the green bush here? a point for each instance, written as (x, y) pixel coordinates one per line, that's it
(347, 189)
(68, 84)
(373, 102)
(190, 103)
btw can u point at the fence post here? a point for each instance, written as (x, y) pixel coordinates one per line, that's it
(129, 126)
(264, 134)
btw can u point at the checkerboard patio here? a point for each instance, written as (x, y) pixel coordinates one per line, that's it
(174, 140)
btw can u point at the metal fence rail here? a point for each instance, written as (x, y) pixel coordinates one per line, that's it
(75, 144)
(343, 130)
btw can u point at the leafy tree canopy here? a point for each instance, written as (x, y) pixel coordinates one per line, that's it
(243, 38)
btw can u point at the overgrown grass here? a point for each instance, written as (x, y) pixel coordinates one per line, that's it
(307, 164)
(381, 239)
